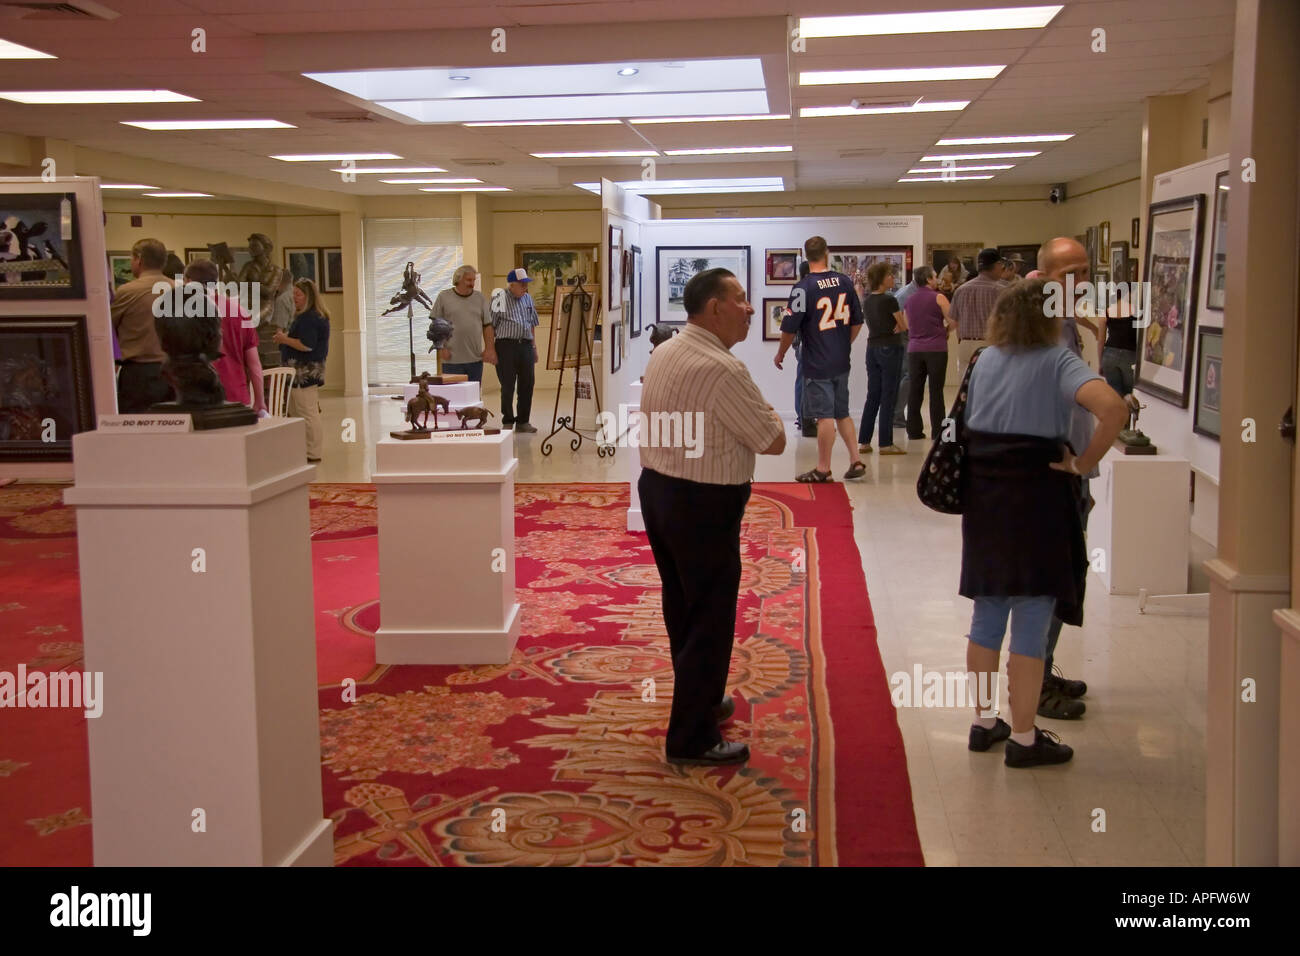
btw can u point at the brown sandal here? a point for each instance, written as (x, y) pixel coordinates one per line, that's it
(814, 476)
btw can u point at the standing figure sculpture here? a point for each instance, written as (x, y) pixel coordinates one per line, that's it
(275, 297)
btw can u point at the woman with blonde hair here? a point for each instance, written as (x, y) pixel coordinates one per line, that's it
(304, 348)
(1023, 553)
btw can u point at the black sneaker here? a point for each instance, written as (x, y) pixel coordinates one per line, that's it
(1047, 749)
(982, 738)
(727, 752)
(1057, 706)
(1062, 685)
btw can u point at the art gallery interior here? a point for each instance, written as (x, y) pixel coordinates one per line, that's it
(453, 651)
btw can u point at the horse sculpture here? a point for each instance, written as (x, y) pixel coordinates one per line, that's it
(423, 403)
(477, 412)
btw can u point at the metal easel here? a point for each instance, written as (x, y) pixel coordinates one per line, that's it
(581, 299)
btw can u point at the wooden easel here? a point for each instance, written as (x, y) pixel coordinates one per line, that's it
(578, 298)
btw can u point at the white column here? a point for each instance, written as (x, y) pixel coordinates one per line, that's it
(196, 602)
(446, 549)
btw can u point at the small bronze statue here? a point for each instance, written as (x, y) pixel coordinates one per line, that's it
(1131, 439)
(439, 332)
(410, 293)
(476, 412)
(419, 408)
(659, 334)
(192, 343)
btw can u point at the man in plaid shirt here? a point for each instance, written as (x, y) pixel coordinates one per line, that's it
(514, 317)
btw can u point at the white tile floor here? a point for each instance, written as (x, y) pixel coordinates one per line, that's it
(1139, 750)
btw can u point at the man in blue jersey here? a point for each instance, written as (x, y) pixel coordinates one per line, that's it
(825, 311)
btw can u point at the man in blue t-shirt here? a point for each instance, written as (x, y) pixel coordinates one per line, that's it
(825, 311)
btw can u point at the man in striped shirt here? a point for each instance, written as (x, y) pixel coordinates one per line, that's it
(514, 316)
(693, 494)
(972, 304)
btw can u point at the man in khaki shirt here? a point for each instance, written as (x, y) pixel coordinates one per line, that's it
(140, 384)
(707, 420)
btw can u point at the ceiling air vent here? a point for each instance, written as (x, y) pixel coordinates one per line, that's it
(343, 116)
(862, 153)
(67, 10)
(477, 162)
(884, 103)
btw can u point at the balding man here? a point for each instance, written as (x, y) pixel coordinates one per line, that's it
(693, 495)
(1059, 260)
(140, 383)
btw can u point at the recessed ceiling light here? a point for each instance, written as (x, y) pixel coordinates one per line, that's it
(332, 157)
(164, 125)
(16, 51)
(389, 170)
(728, 150)
(416, 182)
(753, 184)
(458, 77)
(708, 119)
(628, 71)
(59, 97)
(935, 107)
(961, 156)
(921, 74)
(575, 122)
(125, 186)
(464, 189)
(946, 21)
(180, 195)
(939, 179)
(597, 154)
(959, 169)
(997, 140)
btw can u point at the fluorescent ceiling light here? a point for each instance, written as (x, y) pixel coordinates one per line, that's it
(998, 140)
(16, 51)
(628, 71)
(935, 107)
(943, 21)
(333, 157)
(126, 186)
(180, 195)
(939, 179)
(573, 122)
(389, 170)
(959, 169)
(728, 150)
(57, 97)
(708, 119)
(960, 156)
(594, 106)
(904, 75)
(416, 182)
(597, 154)
(464, 189)
(164, 125)
(743, 185)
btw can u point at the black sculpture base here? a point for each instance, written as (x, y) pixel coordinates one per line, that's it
(1132, 442)
(408, 434)
(207, 417)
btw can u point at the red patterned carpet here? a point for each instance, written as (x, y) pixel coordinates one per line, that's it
(560, 746)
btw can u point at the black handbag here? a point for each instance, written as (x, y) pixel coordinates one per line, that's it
(941, 484)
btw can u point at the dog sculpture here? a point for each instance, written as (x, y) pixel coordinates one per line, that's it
(477, 412)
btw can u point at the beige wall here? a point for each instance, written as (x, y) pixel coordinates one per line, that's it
(1109, 196)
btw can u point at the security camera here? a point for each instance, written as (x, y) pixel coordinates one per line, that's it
(1056, 194)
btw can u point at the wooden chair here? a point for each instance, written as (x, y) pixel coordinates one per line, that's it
(278, 382)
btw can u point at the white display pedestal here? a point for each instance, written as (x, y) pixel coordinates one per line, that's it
(208, 657)
(1141, 522)
(446, 595)
(635, 521)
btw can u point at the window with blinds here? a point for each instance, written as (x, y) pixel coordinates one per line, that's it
(434, 246)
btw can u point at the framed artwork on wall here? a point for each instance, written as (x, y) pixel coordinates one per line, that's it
(40, 248)
(781, 266)
(1103, 236)
(677, 265)
(303, 263)
(1173, 256)
(634, 298)
(1136, 229)
(331, 270)
(1090, 244)
(615, 347)
(1028, 257)
(45, 386)
(1133, 270)
(615, 268)
(119, 267)
(854, 261)
(773, 312)
(938, 254)
(1119, 262)
(1218, 246)
(552, 265)
(568, 309)
(1207, 416)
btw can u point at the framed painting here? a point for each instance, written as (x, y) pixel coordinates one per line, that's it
(550, 266)
(1208, 414)
(46, 393)
(40, 249)
(331, 270)
(1090, 244)
(615, 347)
(773, 311)
(634, 296)
(1218, 245)
(1103, 237)
(1025, 255)
(119, 267)
(569, 310)
(677, 265)
(854, 261)
(1173, 256)
(615, 269)
(1135, 228)
(1119, 262)
(303, 263)
(781, 266)
(1132, 270)
(938, 254)
(239, 254)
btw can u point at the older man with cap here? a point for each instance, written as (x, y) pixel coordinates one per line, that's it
(514, 317)
(972, 304)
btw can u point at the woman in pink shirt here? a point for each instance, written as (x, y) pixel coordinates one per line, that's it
(239, 366)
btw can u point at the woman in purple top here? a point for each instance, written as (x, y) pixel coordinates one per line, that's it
(928, 329)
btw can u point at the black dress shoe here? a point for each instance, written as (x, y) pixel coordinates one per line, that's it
(719, 755)
(982, 738)
(722, 713)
